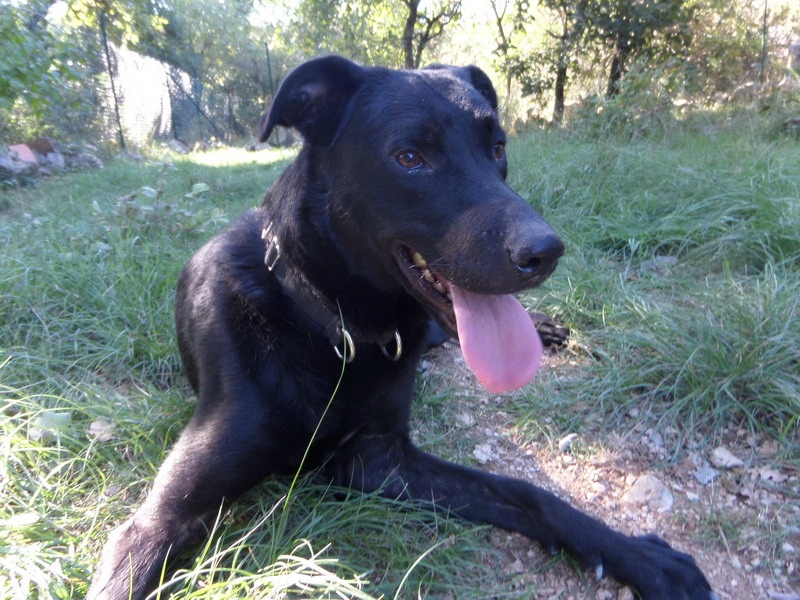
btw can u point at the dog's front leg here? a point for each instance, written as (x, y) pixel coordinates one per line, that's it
(392, 464)
(210, 465)
(135, 555)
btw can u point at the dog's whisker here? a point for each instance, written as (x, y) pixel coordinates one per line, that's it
(421, 268)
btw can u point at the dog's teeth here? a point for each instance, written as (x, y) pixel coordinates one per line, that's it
(439, 287)
(418, 260)
(428, 276)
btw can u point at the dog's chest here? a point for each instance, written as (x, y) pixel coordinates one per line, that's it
(372, 391)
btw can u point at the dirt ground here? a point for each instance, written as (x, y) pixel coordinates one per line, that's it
(738, 520)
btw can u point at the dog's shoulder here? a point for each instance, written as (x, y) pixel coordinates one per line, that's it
(231, 264)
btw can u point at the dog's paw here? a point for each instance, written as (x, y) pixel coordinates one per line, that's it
(656, 571)
(551, 331)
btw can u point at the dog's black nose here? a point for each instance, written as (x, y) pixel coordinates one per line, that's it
(537, 257)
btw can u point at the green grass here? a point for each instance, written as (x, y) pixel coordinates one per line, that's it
(714, 339)
(88, 264)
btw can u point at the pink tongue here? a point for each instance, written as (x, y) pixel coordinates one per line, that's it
(498, 339)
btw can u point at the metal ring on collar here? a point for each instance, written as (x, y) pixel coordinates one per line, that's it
(398, 350)
(350, 347)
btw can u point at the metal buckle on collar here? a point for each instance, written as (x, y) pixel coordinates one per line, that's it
(273, 247)
(348, 345)
(314, 305)
(398, 348)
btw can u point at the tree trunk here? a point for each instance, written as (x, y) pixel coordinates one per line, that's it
(418, 54)
(504, 45)
(560, 87)
(570, 32)
(408, 32)
(621, 52)
(104, 38)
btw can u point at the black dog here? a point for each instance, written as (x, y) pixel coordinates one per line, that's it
(395, 211)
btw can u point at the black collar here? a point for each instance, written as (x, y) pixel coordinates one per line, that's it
(320, 309)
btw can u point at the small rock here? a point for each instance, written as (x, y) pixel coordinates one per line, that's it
(465, 419)
(43, 436)
(57, 160)
(656, 439)
(705, 474)
(23, 152)
(768, 448)
(12, 167)
(649, 491)
(565, 443)
(626, 594)
(722, 458)
(484, 453)
(47, 426)
(101, 430)
(178, 146)
(770, 474)
(516, 567)
(112, 490)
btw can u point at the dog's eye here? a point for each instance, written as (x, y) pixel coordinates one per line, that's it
(499, 150)
(408, 159)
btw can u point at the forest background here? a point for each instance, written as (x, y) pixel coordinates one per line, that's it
(127, 72)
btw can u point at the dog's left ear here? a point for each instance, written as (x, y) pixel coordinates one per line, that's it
(481, 82)
(313, 99)
(475, 77)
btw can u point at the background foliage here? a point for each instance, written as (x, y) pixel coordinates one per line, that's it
(552, 59)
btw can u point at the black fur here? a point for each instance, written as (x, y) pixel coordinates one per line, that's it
(393, 162)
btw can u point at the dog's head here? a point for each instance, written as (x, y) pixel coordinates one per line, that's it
(414, 166)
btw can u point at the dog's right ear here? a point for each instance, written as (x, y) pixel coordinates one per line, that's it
(313, 99)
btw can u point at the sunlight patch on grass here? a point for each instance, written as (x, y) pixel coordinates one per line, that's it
(227, 157)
